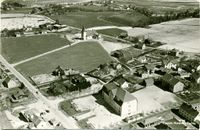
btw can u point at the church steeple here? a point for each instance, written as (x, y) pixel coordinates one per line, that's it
(83, 33)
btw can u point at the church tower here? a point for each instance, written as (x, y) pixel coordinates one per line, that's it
(83, 34)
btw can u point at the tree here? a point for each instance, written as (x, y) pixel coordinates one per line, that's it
(57, 89)
(57, 21)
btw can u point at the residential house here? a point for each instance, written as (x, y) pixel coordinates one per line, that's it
(11, 82)
(120, 81)
(140, 46)
(170, 63)
(151, 121)
(120, 100)
(191, 98)
(126, 54)
(18, 96)
(142, 59)
(191, 65)
(33, 120)
(150, 68)
(171, 83)
(196, 77)
(173, 52)
(188, 112)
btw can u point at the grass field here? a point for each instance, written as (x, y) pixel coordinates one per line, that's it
(111, 32)
(20, 48)
(83, 57)
(87, 19)
(92, 19)
(132, 18)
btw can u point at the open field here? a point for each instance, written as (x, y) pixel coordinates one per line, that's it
(83, 57)
(45, 2)
(163, 5)
(181, 34)
(20, 48)
(111, 32)
(92, 19)
(19, 21)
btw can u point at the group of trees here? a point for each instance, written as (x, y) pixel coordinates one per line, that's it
(52, 9)
(73, 83)
(11, 33)
(8, 5)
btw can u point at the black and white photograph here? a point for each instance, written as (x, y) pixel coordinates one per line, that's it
(100, 64)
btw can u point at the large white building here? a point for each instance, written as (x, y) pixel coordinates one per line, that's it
(120, 100)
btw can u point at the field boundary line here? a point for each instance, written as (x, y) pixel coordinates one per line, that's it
(43, 54)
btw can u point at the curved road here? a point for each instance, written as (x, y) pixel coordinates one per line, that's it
(66, 121)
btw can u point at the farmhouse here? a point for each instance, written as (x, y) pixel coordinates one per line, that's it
(170, 63)
(120, 100)
(192, 98)
(11, 82)
(188, 112)
(196, 77)
(172, 83)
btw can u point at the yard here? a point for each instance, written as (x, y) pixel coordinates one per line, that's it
(115, 32)
(21, 48)
(84, 57)
(4, 121)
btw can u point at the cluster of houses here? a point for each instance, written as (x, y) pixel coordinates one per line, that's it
(106, 72)
(170, 70)
(14, 91)
(16, 25)
(33, 119)
(67, 80)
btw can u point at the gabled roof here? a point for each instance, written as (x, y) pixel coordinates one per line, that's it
(195, 75)
(120, 80)
(123, 95)
(189, 109)
(170, 79)
(110, 86)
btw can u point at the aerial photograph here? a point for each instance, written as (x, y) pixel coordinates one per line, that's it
(100, 64)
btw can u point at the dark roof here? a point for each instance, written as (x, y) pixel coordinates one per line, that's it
(195, 75)
(120, 80)
(162, 126)
(189, 109)
(132, 79)
(111, 86)
(170, 79)
(123, 95)
(120, 95)
(191, 98)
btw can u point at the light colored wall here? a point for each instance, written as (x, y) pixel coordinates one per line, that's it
(129, 108)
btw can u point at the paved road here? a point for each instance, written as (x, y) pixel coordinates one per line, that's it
(67, 121)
